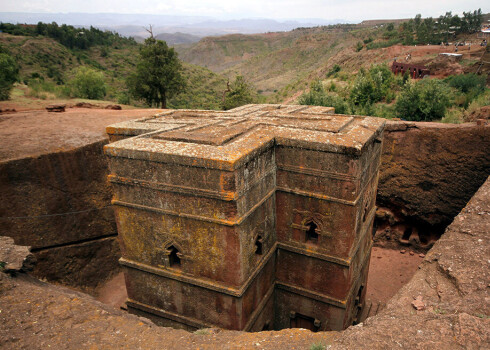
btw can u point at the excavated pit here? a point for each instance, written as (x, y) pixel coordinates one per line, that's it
(428, 173)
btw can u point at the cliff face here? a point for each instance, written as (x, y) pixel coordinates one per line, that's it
(54, 192)
(428, 173)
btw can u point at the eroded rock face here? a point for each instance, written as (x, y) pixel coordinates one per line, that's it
(54, 193)
(451, 290)
(428, 173)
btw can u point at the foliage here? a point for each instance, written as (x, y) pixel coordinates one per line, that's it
(382, 44)
(158, 74)
(430, 31)
(372, 86)
(317, 346)
(69, 36)
(9, 73)
(205, 89)
(467, 82)
(317, 96)
(335, 69)
(453, 115)
(425, 100)
(359, 46)
(88, 83)
(240, 93)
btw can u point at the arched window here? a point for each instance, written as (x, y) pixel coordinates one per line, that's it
(174, 257)
(258, 245)
(311, 233)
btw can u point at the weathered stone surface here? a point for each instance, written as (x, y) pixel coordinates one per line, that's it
(453, 282)
(54, 190)
(428, 173)
(14, 258)
(267, 210)
(81, 265)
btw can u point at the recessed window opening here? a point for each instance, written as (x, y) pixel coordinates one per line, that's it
(173, 257)
(311, 233)
(302, 321)
(258, 245)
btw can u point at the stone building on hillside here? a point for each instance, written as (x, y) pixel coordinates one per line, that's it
(251, 219)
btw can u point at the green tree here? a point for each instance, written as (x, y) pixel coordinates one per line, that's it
(371, 86)
(425, 100)
(317, 96)
(238, 93)
(88, 83)
(158, 74)
(9, 73)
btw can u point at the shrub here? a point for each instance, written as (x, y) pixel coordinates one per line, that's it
(9, 73)
(359, 46)
(88, 83)
(423, 101)
(467, 82)
(372, 86)
(317, 346)
(335, 69)
(453, 116)
(382, 44)
(240, 93)
(317, 96)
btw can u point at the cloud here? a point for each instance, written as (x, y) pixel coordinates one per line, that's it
(354, 10)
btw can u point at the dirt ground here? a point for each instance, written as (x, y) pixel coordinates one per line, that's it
(389, 270)
(36, 132)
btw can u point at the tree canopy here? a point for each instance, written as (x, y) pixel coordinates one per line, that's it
(239, 93)
(88, 83)
(9, 73)
(158, 74)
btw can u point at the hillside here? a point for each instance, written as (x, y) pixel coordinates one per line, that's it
(46, 67)
(281, 65)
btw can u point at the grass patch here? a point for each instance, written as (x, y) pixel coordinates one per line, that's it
(383, 44)
(317, 346)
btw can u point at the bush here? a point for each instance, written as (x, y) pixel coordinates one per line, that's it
(88, 83)
(359, 46)
(317, 96)
(335, 69)
(382, 44)
(423, 101)
(9, 73)
(468, 82)
(240, 93)
(372, 86)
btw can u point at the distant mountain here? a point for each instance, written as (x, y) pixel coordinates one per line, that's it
(134, 24)
(178, 38)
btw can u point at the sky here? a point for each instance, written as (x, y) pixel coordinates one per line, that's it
(349, 10)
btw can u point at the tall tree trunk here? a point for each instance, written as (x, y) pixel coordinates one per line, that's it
(164, 100)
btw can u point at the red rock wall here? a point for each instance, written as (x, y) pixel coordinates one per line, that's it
(428, 173)
(59, 205)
